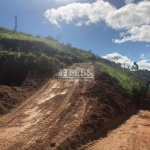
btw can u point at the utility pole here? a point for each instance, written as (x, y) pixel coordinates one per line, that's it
(15, 22)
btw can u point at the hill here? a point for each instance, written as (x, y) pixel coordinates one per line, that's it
(23, 56)
(43, 112)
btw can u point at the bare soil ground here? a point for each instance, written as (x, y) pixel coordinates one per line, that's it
(12, 96)
(66, 115)
(134, 134)
(49, 114)
(32, 120)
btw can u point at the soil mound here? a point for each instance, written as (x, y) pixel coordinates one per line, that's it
(65, 114)
(107, 105)
(12, 96)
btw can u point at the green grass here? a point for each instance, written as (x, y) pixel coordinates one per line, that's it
(127, 79)
(9, 34)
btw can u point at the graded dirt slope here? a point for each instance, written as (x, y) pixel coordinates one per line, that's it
(134, 134)
(107, 106)
(49, 115)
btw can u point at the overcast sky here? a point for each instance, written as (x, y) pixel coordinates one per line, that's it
(108, 28)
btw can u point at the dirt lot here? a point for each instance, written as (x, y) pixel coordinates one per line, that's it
(66, 115)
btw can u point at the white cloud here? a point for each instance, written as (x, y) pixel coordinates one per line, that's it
(142, 56)
(133, 18)
(125, 17)
(130, 15)
(81, 13)
(129, 1)
(125, 61)
(44, 22)
(144, 64)
(79, 24)
(136, 34)
(146, 45)
(119, 58)
(122, 34)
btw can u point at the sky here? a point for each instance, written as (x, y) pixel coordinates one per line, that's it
(115, 30)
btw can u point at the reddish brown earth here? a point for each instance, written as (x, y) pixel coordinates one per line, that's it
(12, 96)
(134, 134)
(67, 115)
(50, 114)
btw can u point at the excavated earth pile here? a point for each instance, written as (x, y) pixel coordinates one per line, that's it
(52, 114)
(12, 96)
(107, 105)
(66, 114)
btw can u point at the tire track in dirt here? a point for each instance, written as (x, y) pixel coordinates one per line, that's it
(4, 144)
(16, 112)
(21, 137)
(64, 105)
(28, 134)
(71, 127)
(37, 117)
(44, 124)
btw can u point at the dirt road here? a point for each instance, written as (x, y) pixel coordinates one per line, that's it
(134, 134)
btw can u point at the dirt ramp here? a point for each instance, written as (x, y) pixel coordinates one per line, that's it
(107, 105)
(51, 115)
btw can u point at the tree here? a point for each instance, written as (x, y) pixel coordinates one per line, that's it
(132, 68)
(68, 44)
(119, 64)
(49, 37)
(136, 67)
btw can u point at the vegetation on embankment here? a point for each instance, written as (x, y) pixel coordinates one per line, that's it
(130, 81)
(26, 43)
